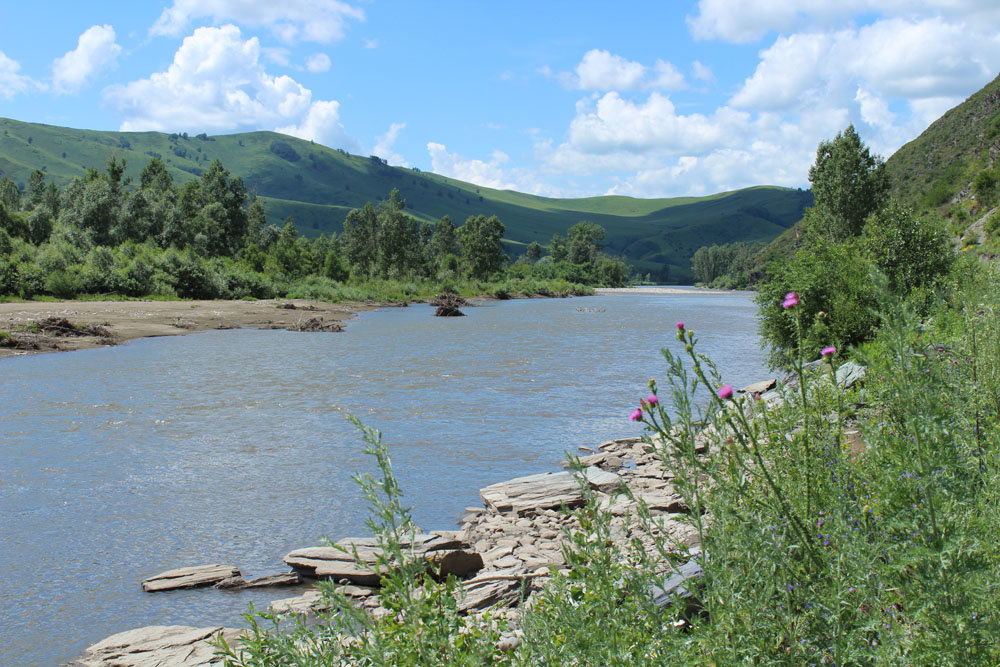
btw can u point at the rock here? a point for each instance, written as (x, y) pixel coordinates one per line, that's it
(532, 493)
(508, 643)
(591, 460)
(849, 374)
(759, 387)
(602, 480)
(338, 562)
(239, 583)
(310, 601)
(478, 594)
(458, 563)
(189, 577)
(679, 583)
(159, 646)
(333, 563)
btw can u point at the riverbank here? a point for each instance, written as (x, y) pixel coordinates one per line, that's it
(104, 323)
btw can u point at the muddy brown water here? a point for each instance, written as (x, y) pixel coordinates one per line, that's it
(233, 447)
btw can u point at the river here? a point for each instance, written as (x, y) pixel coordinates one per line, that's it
(232, 446)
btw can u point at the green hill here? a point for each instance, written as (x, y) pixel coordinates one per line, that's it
(943, 161)
(317, 186)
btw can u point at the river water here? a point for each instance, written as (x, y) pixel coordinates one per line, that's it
(233, 447)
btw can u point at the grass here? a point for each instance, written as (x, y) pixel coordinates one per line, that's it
(318, 186)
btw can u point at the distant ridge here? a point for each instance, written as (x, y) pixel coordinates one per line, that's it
(318, 186)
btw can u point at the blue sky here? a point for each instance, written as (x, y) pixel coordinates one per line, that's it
(648, 99)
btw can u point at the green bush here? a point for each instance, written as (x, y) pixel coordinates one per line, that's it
(838, 301)
(910, 252)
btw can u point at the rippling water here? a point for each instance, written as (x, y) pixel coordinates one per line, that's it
(232, 447)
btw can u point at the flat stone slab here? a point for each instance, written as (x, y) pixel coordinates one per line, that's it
(679, 583)
(759, 387)
(549, 490)
(477, 595)
(159, 646)
(338, 561)
(189, 577)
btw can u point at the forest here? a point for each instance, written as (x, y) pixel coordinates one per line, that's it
(103, 235)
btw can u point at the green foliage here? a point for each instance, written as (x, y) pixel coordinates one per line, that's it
(838, 299)
(910, 252)
(984, 186)
(480, 242)
(847, 182)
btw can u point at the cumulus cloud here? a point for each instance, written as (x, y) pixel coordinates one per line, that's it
(603, 70)
(217, 82)
(289, 20)
(11, 81)
(95, 50)
(488, 174)
(322, 125)
(319, 62)
(616, 124)
(741, 21)
(383, 145)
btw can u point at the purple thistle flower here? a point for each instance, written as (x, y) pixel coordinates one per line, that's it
(636, 415)
(826, 351)
(791, 299)
(680, 326)
(652, 400)
(725, 391)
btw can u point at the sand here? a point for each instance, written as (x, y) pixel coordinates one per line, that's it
(130, 320)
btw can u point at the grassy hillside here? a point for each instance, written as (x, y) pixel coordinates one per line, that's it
(939, 164)
(317, 186)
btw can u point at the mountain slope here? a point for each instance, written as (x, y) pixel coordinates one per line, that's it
(317, 186)
(938, 164)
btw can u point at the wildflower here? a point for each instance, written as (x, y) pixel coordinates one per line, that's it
(680, 326)
(652, 400)
(828, 350)
(636, 415)
(791, 299)
(725, 391)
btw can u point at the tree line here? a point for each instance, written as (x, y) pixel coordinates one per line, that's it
(210, 238)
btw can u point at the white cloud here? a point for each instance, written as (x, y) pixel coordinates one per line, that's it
(217, 82)
(289, 20)
(603, 70)
(383, 145)
(743, 21)
(488, 174)
(95, 50)
(318, 62)
(11, 81)
(702, 72)
(322, 125)
(616, 124)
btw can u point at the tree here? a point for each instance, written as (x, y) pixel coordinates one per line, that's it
(558, 249)
(360, 239)
(584, 242)
(444, 241)
(10, 195)
(533, 251)
(848, 183)
(482, 247)
(910, 252)
(36, 189)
